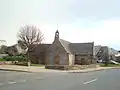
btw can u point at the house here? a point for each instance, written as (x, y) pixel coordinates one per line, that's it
(118, 57)
(62, 52)
(100, 51)
(3, 55)
(15, 50)
(12, 50)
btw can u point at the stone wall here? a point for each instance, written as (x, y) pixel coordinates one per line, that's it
(70, 67)
(37, 58)
(56, 49)
(83, 59)
(5, 62)
(71, 59)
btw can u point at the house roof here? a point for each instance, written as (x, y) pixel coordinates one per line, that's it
(82, 48)
(40, 47)
(112, 51)
(66, 45)
(77, 48)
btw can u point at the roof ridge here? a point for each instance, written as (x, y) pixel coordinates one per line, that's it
(65, 40)
(66, 45)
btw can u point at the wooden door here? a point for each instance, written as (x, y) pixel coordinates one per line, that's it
(57, 59)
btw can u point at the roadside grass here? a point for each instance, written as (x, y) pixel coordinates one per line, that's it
(110, 65)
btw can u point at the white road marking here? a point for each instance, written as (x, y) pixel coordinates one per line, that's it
(11, 82)
(91, 81)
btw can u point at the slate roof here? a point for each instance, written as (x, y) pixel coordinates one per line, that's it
(85, 48)
(40, 48)
(66, 45)
(107, 49)
(78, 48)
(82, 48)
(112, 51)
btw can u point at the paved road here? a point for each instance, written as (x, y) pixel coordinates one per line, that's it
(99, 80)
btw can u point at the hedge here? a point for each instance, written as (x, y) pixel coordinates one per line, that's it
(1, 59)
(14, 58)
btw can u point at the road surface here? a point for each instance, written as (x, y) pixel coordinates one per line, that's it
(99, 80)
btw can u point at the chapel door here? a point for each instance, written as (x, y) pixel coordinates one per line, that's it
(57, 59)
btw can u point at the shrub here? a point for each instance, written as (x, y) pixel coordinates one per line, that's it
(7, 58)
(14, 58)
(20, 58)
(1, 59)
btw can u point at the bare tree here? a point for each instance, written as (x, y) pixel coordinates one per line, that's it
(30, 35)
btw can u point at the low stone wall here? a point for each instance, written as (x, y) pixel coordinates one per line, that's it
(70, 67)
(5, 62)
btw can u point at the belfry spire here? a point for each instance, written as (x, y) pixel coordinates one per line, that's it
(57, 33)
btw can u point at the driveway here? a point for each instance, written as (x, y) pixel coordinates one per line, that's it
(99, 80)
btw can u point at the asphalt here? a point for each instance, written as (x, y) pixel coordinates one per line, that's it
(99, 80)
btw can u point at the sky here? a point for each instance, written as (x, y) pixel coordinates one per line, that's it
(78, 21)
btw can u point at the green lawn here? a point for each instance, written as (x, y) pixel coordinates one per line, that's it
(110, 65)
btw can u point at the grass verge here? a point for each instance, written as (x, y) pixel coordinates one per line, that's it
(110, 65)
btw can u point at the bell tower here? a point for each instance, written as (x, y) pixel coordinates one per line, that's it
(57, 35)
